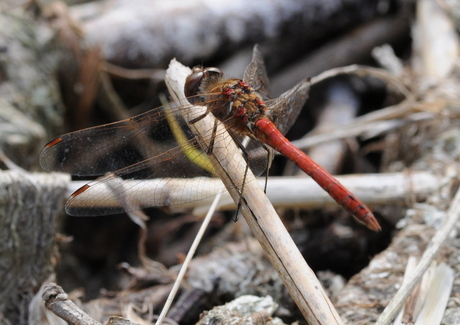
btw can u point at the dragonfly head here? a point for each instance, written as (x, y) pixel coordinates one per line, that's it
(199, 81)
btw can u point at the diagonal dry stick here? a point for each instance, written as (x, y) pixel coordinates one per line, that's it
(260, 215)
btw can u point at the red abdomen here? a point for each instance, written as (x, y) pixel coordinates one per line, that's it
(267, 132)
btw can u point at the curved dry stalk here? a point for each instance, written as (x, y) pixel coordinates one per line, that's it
(373, 123)
(364, 71)
(260, 215)
(364, 126)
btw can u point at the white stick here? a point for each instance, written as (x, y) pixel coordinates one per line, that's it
(187, 260)
(283, 192)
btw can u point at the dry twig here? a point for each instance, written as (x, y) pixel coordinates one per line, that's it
(57, 301)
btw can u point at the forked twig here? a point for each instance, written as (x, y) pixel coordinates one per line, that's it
(260, 215)
(58, 302)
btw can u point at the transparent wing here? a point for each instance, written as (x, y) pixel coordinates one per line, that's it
(255, 74)
(147, 162)
(107, 148)
(152, 182)
(285, 109)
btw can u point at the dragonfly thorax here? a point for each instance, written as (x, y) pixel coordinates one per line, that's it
(232, 101)
(242, 103)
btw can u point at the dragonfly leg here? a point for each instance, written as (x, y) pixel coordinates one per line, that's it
(269, 164)
(244, 182)
(238, 208)
(213, 137)
(240, 201)
(246, 158)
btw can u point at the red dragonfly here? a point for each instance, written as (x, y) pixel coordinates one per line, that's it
(143, 147)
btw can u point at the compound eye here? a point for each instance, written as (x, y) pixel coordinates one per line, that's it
(214, 72)
(193, 82)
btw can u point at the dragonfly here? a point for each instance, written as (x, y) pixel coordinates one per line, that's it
(143, 148)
